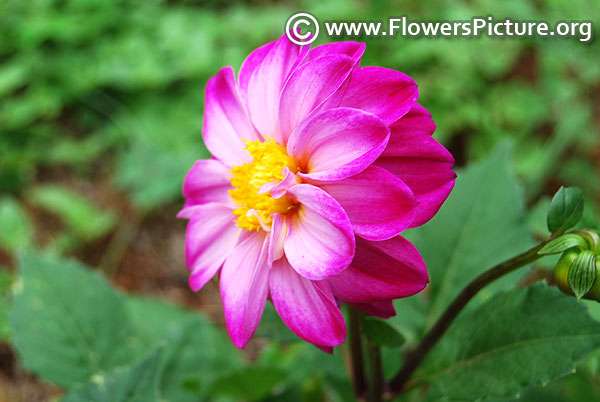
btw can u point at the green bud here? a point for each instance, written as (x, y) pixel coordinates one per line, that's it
(577, 273)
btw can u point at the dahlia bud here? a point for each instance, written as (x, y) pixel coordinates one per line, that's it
(576, 272)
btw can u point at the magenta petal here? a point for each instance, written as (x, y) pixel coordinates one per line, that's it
(380, 205)
(252, 62)
(320, 242)
(307, 307)
(263, 87)
(211, 234)
(353, 49)
(326, 349)
(381, 270)
(387, 93)
(308, 87)
(244, 286)
(207, 181)
(382, 309)
(416, 121)
(277, 237)
(421, 162)
(226, 122)
(337, 143)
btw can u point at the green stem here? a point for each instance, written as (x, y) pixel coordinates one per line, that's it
(375, 386)
(398, 384)
(358, 371)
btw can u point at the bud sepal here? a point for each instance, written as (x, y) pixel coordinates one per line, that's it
(576, 272)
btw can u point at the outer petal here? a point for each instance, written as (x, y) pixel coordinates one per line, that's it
(337, 143)
(307, 307)
(417, 121)
(421, 162)
(207, 181)
(382, 309)
(353, 49)
(211, 234)
(387, 93)
(309, 87)
(244, 286)
(320, 242)
(226, 122)
(266, 81)
(380, 205)
(252, 62)
(383, 270)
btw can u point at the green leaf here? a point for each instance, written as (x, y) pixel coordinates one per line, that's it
(154, 319)
(250, 383)
(6, 280)
(582, 273)
(16, 228)
(519, 338)
(67, 323)
(481, 224)
(79, 214)
(565, 210)
(563, 243)
(381, 333)
(196, 352)
(132, 384)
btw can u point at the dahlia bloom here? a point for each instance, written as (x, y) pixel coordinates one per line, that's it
(318, 165)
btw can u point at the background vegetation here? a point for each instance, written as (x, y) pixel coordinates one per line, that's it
(100, 118)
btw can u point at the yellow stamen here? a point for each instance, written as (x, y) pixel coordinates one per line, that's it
(268, 160)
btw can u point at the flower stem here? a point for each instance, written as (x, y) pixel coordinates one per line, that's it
(375, 385)
(358, 372)
(398, 384)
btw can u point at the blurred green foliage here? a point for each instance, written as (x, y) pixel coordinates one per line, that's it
(109, 93)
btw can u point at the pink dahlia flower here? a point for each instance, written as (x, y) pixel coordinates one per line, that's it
(318, 166)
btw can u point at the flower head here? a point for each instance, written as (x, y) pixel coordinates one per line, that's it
(318, 165)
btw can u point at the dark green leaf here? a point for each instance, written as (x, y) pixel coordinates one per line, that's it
(197, 353)
(566, 209)
(250, 383)
(381, 333)
(132, 384)
(518, 338)
(67, 323)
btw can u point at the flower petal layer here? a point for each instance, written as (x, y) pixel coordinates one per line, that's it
(210, 237)
(252, 62)
(380, 205)
(381, 270)
(353, 49)
(207, 181)
(267, 78)
(320, 242)
(387, 93)
(337, 143)
(244, 286)
(420, 161)
(307, 307)
(226, 122)
(382, 309)
(309, 87)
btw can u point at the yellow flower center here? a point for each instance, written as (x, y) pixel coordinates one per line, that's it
(268, 160)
